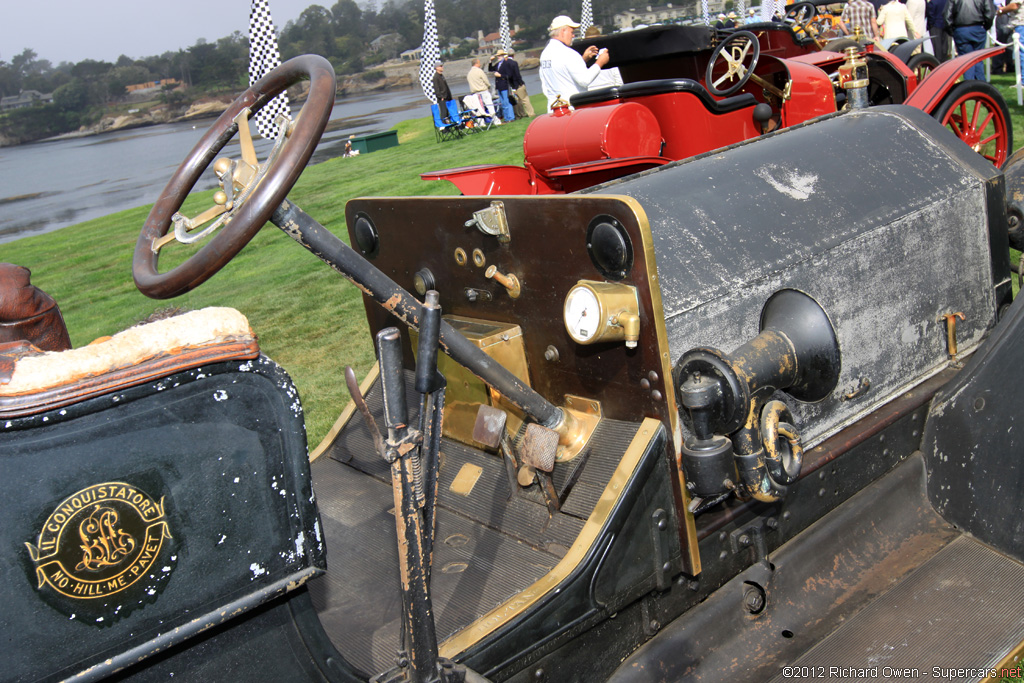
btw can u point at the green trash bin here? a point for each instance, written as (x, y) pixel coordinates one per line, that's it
(364, 144)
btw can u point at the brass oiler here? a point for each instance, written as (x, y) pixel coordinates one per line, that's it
(602, 312)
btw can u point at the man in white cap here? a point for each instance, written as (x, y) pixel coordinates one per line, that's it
(751, 17)
(563, 72)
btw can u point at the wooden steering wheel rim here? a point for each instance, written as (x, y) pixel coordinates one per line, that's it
(256, 211)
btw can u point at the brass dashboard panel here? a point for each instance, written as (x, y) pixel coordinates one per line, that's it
(547, 251)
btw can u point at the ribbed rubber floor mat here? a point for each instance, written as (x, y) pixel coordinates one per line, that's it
(953, 619)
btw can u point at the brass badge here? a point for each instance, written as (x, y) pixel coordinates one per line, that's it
(100, 541)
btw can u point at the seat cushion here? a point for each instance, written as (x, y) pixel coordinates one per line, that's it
(41, 381)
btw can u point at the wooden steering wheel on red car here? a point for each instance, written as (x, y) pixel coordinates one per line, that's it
(250, 192)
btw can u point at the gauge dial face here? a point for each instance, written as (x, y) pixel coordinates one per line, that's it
(582, 314)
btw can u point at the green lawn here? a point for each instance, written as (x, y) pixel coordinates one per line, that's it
(308, 318)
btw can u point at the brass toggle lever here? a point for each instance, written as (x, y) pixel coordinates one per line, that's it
(509, 282)
(951, 331)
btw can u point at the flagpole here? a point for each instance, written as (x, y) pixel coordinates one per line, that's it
(586, 18)
(506, 34)
(429, 51)
(264, 56)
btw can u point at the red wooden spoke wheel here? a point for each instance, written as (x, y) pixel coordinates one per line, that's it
(249, 216)
(976, 113)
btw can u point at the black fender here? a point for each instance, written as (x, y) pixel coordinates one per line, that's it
(905, 49)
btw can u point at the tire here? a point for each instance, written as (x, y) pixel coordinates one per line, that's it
(840, 44)
(922, 64)
(976, 113)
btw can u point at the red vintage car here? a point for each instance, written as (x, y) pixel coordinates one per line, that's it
(690, 89)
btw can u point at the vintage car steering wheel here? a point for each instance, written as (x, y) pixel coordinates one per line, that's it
(252, 191)
(800, 15)
(733, 52)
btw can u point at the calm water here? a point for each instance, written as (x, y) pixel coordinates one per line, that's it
(46, 186)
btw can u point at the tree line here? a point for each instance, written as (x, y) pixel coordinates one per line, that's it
(342, 33)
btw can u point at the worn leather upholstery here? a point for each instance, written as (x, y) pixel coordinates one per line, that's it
(28, 313)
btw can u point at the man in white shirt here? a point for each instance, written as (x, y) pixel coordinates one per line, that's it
(479, 97)
(563, 72)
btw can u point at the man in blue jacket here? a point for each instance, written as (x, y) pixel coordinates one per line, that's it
(502, 85)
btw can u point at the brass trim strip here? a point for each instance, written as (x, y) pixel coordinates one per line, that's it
(511, 608)
(346, 414)
(688, 526)
(1012, 663)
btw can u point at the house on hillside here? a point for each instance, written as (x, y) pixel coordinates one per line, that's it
(386, 44)
(25, 98)
(413, 55)
(489, 44)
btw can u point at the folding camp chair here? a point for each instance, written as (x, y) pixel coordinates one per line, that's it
(464, 118)
(444, 130)
(483, 118)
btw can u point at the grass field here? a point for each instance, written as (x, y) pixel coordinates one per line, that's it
(308, 318)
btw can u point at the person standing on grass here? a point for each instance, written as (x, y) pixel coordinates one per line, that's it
(480, 90)
(501, 84)
(859, 13)
(916, 9)
(894, 22)
(969, 22)
(937, 28)
(523, 107)
(441, 90)
(1016, 11)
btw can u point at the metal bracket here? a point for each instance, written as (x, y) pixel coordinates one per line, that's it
(660, 530)
(753, 536)
(491, 221)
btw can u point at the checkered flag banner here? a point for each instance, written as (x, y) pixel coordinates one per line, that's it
(741, 9)
(506, 35)
(586, 18)
(264, 56)
(706, 13)
(767, 10)
(429, 51)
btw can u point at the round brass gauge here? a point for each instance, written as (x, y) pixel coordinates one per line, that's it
(582, 312)
(602, 312)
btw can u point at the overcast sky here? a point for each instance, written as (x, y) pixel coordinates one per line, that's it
(73, 30)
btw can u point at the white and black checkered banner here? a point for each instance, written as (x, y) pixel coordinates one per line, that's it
(506, 34)
(705, 13)
(429, 52)
(264, 56)
(586, 18)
